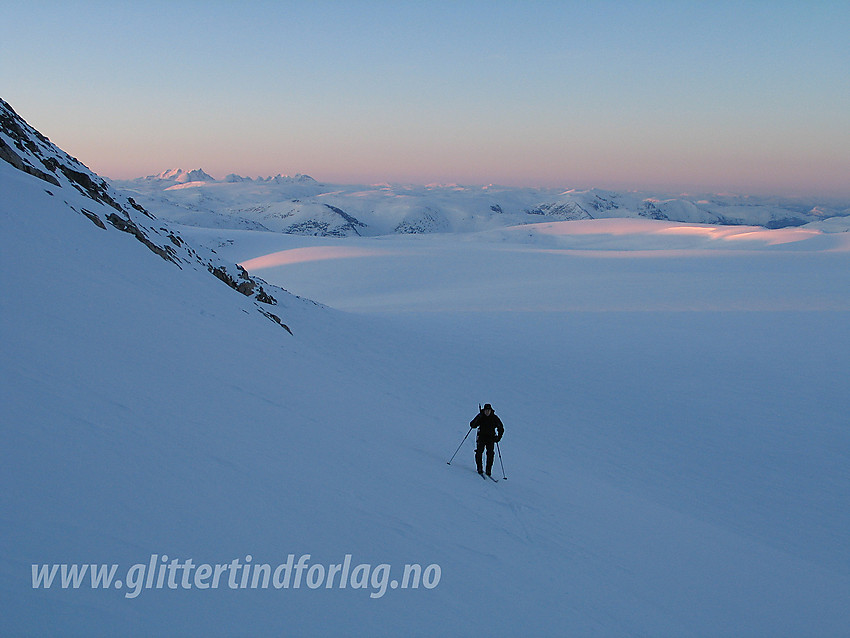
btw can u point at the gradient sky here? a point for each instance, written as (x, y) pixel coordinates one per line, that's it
(717, 96)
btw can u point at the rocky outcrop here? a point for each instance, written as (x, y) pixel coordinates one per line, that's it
(30, 152)
(561, 211)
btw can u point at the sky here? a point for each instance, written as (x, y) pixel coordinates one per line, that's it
(750, 97)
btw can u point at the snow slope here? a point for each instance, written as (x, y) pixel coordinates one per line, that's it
(675, 404)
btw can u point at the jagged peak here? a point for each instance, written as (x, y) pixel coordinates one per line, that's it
(181, 177)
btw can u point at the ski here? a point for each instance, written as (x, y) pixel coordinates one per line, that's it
(495, 480)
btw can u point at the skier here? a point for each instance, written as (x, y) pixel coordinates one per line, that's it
(490, 431)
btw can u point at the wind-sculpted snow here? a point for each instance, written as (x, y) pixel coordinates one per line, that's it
(301, 206)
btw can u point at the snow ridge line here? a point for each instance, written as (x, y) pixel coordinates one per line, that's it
(29, 151)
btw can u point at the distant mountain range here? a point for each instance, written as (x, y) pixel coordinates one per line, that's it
(175, 176)
(301, 205)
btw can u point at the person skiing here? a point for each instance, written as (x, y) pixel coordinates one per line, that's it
(490, 431)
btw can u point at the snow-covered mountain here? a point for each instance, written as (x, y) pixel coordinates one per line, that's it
(84, 193)
(674, 397)
(300, 205)
(179, 176)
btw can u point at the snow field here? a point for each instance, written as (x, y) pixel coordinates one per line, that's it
(676, 439)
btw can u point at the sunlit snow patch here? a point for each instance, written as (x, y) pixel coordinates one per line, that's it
(309, 253)
(634, 236)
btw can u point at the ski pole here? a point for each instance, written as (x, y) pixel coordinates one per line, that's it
(449, 462)
(500, 461)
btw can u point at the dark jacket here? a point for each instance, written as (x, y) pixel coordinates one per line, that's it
(490, 428)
